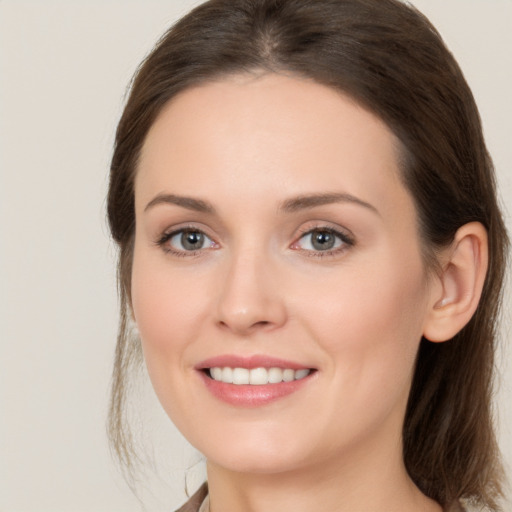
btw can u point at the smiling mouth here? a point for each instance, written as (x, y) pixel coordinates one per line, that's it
(256, 376)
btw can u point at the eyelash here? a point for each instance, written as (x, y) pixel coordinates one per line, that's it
(347, 241)
(164, 239)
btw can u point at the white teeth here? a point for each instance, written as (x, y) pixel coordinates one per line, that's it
(257, 376)
(288, 375)
(240, 376)
(217, 373)
(275, 375)
(227, 375)
(300, 374)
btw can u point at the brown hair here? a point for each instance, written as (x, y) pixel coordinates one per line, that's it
(389, 58)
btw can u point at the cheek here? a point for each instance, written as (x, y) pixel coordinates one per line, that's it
(371, 325)
(168, 309)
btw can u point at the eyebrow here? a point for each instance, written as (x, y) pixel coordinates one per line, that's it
(294, 204)
(312, 200)
(189, 203)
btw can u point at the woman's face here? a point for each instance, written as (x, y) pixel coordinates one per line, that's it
(276, 243)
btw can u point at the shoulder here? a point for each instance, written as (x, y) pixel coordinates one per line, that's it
(196, 500)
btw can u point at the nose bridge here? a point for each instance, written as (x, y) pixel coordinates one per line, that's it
(249, 299)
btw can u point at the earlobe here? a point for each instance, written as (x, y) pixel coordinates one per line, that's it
(464, 267)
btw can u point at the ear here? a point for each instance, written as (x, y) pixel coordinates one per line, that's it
(456, 294)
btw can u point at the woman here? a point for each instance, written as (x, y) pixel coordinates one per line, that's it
(312, 253)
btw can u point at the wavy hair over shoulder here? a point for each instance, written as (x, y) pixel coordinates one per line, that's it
(389, 58)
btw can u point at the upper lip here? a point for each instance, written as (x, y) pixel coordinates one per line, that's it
(249, 362)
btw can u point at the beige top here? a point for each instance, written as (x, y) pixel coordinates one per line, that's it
(200, 502)
(205, 506)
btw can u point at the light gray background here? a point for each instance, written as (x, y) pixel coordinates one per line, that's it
(64, 67)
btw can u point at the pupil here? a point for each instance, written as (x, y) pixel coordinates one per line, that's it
(192, 240)
(323, 240)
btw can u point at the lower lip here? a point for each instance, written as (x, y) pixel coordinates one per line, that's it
(247, 395)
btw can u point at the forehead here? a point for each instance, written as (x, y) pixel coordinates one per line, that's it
(247, 134)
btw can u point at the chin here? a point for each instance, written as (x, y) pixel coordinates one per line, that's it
(256, 463)
(245, 451)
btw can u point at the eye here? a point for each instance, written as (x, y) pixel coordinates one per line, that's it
(186, 241)
(323, 240)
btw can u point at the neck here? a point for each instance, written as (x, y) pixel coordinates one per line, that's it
(377, 482)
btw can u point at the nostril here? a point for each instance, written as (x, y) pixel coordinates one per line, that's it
(262, 324)
(244, 318)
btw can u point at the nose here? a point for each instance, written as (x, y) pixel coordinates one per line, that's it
(251, 298)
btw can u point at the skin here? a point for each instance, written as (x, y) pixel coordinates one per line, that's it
(246, 145)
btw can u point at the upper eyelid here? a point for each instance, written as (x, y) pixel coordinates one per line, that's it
(306, 228)
(165, 236)
(327, 226)
(185, 227)
(163, 241)
(345, 235)
(345, 239)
